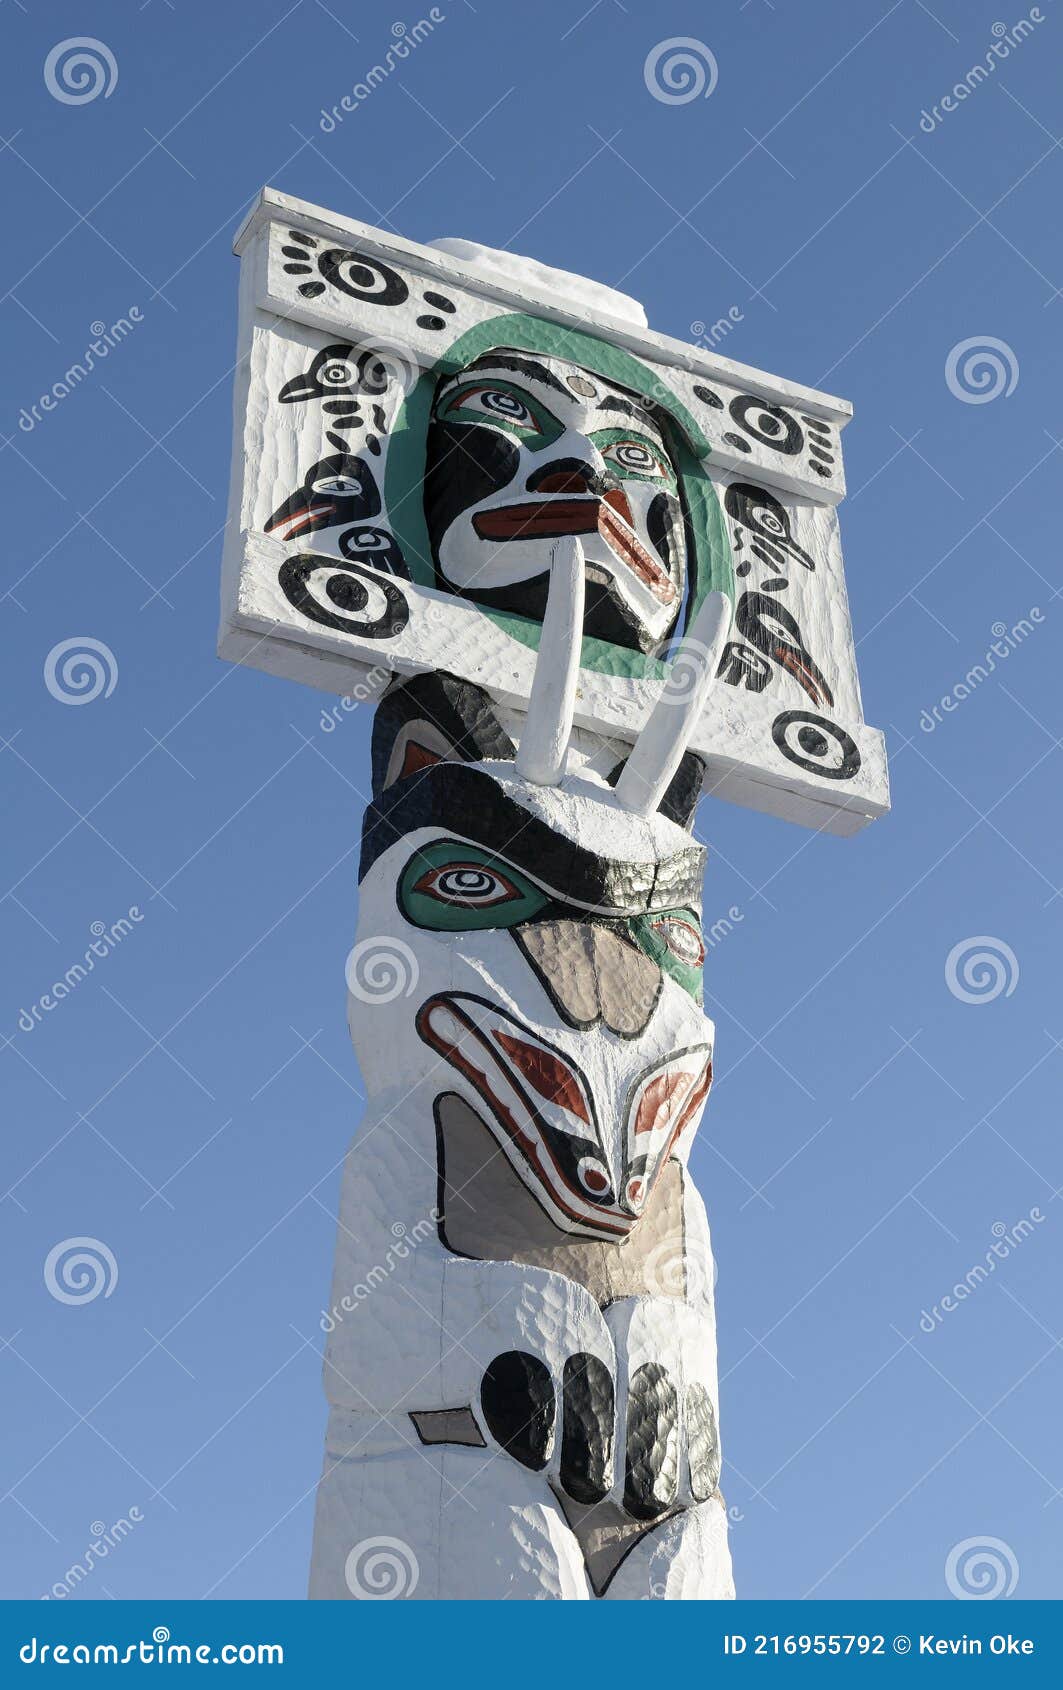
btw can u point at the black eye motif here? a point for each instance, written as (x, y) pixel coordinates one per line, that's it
(816, 744)
(768, 424)
(467, 883)
(352, 273)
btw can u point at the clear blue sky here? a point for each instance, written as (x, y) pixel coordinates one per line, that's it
(190, 1102)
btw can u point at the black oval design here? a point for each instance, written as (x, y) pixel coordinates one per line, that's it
(361, 277)
(708, 397)
(821, 469)
(737, 442)
(345, 591)
(651, 1479)
(427, 322)
(587, 1429)
(441, 302)
(773, 427)
(814, 739)
(703, 1443)
(517, 1397)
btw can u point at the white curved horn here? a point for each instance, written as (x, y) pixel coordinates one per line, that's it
(543, 745)
(659, 749)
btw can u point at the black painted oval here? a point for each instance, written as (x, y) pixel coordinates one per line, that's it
(517, 1397)
(587, 1429)
(651, 1478)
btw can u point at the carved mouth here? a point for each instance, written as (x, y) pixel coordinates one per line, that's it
(548, 519)
(541, 1103)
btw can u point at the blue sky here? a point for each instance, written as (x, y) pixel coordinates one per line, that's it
(871, 1132)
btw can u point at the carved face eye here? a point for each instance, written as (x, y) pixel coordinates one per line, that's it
(682, 939)
(500, 404)
(635, 457)
(467, 883)
(452, 887)
(337, 373)
(339, 486)
(763, 517)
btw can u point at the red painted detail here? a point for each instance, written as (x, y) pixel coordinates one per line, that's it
(545, 1073)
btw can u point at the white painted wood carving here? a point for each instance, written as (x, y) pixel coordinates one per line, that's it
(603, 571)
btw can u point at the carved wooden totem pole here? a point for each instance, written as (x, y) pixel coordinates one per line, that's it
(590, 573)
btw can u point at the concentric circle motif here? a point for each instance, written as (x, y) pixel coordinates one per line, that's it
(816, 744)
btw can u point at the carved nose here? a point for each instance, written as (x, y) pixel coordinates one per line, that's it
(572, 475)
(592, 974)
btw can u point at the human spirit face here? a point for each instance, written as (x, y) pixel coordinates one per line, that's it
(522, 450)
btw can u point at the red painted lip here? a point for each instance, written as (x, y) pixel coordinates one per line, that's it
(548, 519)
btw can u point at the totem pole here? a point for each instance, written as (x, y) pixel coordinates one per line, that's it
(588, 573)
